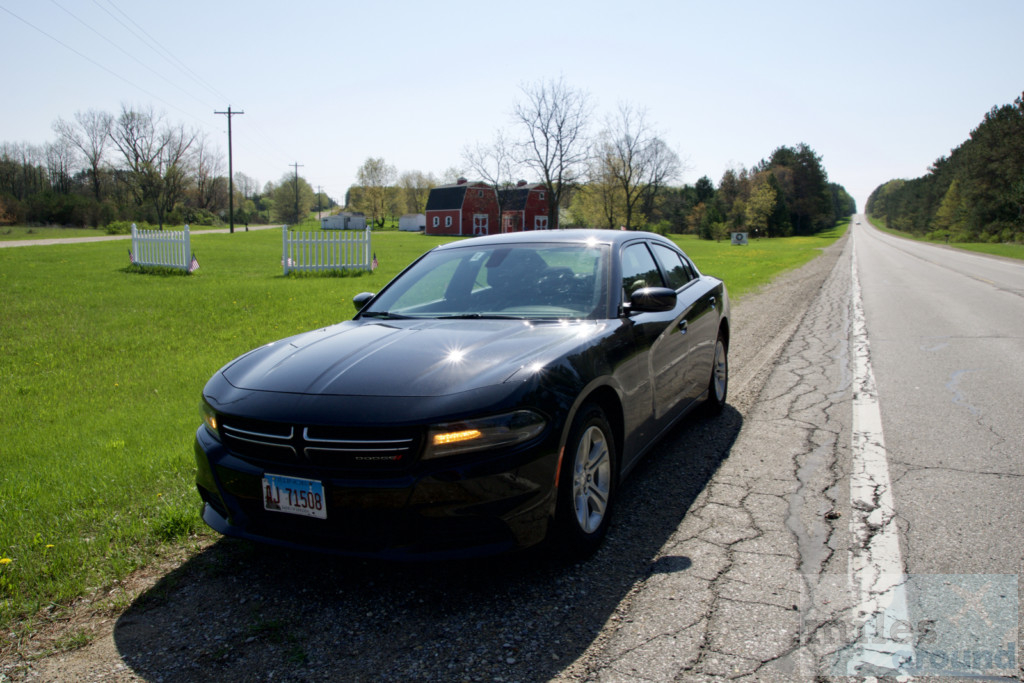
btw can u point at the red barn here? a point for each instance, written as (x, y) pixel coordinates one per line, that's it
(524, 207)
(462, 209)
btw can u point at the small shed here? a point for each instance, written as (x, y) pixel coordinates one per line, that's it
(413, 222)
(344, 221)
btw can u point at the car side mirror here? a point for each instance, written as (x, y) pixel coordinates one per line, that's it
(361, 299)
(652, 300)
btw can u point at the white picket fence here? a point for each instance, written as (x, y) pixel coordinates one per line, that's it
(168, 248)
(320, 250)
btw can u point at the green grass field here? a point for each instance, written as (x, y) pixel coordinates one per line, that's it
(101, 369)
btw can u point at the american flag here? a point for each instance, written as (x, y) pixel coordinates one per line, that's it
(131, 257)
(373, 266)
(194, 265)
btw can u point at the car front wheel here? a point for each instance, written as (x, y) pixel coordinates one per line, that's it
(719, 385)
(587, 483)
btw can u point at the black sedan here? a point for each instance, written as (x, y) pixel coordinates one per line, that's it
(490, 397)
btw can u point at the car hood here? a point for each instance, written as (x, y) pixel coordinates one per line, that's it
(409, 358)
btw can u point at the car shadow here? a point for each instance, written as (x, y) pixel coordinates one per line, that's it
(240, 612)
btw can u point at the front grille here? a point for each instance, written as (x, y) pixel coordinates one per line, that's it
(336, 448)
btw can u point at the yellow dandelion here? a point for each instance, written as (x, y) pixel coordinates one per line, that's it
(49, 545)
(5, 560)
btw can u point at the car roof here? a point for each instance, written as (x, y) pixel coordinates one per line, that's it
(573, 235)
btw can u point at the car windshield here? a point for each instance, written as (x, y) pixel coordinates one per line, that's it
(536, 281)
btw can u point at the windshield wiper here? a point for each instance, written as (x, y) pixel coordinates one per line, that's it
(478, 316)
(382, 314)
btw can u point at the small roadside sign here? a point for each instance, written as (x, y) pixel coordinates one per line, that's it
(739, 238)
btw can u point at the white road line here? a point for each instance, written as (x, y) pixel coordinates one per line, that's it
(877, 582)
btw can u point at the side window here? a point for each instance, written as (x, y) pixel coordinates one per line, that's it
(675, 266)
(447, 221)
(437, 221)
(639, 270)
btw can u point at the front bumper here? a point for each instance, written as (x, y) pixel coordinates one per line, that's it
(486, 505)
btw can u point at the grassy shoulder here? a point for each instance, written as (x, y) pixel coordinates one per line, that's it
(1015, 251)
(101, 369)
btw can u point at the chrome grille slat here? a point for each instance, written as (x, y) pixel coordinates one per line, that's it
(265, 443)
(338, 448)
(282, 437)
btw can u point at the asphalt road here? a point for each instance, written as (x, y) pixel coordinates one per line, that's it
(946, 331)
(947, 345)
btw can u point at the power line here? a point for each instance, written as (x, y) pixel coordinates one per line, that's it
(123, 51)
(93, 61)
(150, 42)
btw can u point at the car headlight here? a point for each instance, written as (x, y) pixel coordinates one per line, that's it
(483, 433)
(210, 420)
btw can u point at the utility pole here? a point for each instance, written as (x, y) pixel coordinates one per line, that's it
(231, 170)
(319, 191)
(298, 218)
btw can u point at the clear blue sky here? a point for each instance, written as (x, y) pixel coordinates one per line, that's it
(879, 89)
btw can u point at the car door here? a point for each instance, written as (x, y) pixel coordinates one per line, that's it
(703, 317)
(698, 324)
(661, 346)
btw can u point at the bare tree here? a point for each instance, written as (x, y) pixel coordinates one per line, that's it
(91, 137)
(452, 174)
(156, 157)
(211, 186)
(495, 164)
(25, 173)
(247, 185)
(637, 160)
(60, 159)
(554, 118)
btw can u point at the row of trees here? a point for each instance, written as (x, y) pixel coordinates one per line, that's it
(976, 194)
(136, 165)
(625, 175)
(103, 168)
(786, 194)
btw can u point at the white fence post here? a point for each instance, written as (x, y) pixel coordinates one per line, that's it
(319, 251)
(285, 258)
(168, 248)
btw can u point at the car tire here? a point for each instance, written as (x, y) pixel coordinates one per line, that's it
(718, 385)
(587, 484)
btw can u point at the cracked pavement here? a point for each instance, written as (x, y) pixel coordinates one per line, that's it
(759, 537)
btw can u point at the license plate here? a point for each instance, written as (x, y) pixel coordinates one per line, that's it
(294, 495)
